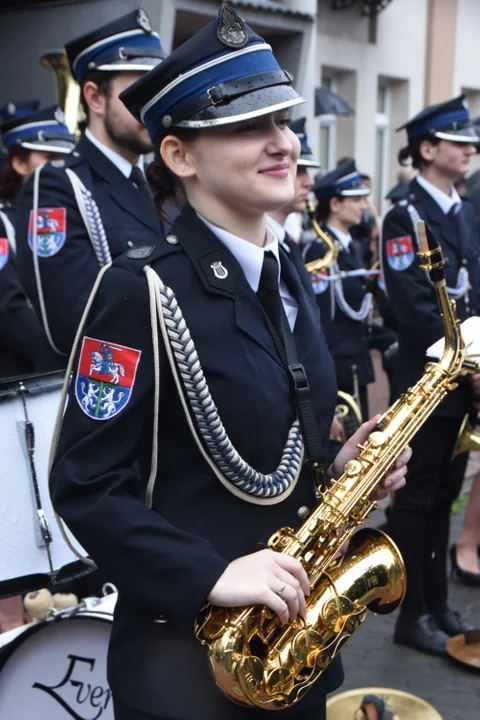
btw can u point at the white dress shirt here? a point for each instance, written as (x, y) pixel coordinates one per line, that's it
(344, 238)
(250, 258)
(123, 165)
(446, 202)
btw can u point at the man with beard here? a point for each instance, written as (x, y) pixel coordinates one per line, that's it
(96, 203)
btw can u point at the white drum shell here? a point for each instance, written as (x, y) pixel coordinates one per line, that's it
(58, 669)
(20, 553)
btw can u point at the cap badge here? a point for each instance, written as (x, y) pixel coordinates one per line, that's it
(11, 108)
(219, 270)
(465, 103)
(143, 21)
(59, 116)
(231, 29)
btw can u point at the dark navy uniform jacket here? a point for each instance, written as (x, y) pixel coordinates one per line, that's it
(349, 340)
(68, 276)
(165, 561)
(413, 298)
(22, 340)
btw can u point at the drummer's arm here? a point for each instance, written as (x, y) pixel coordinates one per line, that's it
(96, 485)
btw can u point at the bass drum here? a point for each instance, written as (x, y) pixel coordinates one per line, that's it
(57, 669)
(33, 552)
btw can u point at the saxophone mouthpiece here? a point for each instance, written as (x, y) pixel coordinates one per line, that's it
(430, 254)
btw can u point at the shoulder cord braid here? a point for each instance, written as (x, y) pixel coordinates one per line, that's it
(232, 471)
(10, 232)
(36, 264)
(463, 282)
(92, 219)
(365, 308)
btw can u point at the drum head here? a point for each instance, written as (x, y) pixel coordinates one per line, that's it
(57, 670)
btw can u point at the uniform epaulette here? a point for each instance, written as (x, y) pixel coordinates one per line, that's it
(69, 160)
(136, 258)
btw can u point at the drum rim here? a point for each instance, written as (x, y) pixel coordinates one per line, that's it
(22, 584)
(7, 650)
(33, 384)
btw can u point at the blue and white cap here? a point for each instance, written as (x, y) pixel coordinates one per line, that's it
(44, 131)
(126, 44)
(344, 181)
(12, 111)
(447, 121)
(306, 158)
(224, 74)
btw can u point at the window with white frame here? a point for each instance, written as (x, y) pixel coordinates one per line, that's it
(382, 128)
(328, 131)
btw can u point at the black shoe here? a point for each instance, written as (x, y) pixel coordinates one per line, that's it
(464, 576)
(452, 623)
(421, 633)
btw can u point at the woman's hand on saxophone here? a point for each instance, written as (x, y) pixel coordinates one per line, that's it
(264, 578)
(394, 481)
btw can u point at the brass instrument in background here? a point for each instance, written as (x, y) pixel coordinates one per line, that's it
(468, 440)
(257, 661)
(349, 413)
(68, 90)
(331, 254)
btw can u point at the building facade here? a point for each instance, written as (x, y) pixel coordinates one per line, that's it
(386, 66)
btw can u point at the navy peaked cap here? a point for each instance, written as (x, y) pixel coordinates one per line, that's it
(44, 130)
(128, 43)
(345, 181)
(223, 74)
(12, 111)
(447, 121)
(306, 158)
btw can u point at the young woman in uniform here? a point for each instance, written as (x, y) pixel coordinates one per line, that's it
(191, 525)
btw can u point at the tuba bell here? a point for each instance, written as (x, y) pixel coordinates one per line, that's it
(68, 90)
(467, 440)
(331, 254)
(348, 412)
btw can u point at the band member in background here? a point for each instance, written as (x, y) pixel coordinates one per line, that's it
(227, 144)
(345, 305)
(303, 184)
(31, 139)
(440, 143)
(110, 208)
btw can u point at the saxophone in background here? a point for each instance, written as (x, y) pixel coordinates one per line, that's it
(255, 660)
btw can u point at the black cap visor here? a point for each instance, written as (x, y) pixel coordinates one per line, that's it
(467, 134)
(254, 104)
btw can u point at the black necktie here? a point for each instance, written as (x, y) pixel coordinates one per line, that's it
(269, 294)
(138, 178)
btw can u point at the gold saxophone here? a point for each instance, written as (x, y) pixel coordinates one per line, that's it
(332, 251)
(257, 661)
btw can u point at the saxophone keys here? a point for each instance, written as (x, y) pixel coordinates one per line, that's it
(352, 467)
(377, 439)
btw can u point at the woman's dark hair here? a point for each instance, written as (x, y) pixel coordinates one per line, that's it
(323, 208)
(163, 182)
(10, 181)
(412, 150)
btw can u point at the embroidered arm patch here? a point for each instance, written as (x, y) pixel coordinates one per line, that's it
(319, 282)
(3, 252)
(51, 231)
(400, 253)
(105, 377)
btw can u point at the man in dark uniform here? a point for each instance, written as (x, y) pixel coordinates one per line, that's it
(110, 208)
(31, 139)
(345, 305)
(440, 145)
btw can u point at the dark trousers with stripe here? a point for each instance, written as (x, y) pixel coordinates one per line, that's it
(122, 712)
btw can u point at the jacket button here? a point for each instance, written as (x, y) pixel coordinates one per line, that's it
(130, 244)
(303, 512)
(172, 239)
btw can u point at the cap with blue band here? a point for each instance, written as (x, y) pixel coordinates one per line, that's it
(126, 44)
(446, 121)
(44, 131)
(306, 158)
(344, 181)
(224, 74)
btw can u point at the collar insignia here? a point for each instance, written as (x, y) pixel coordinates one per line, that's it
(219, 270)
(231, 29)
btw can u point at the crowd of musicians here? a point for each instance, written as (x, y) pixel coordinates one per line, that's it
(72, 205)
